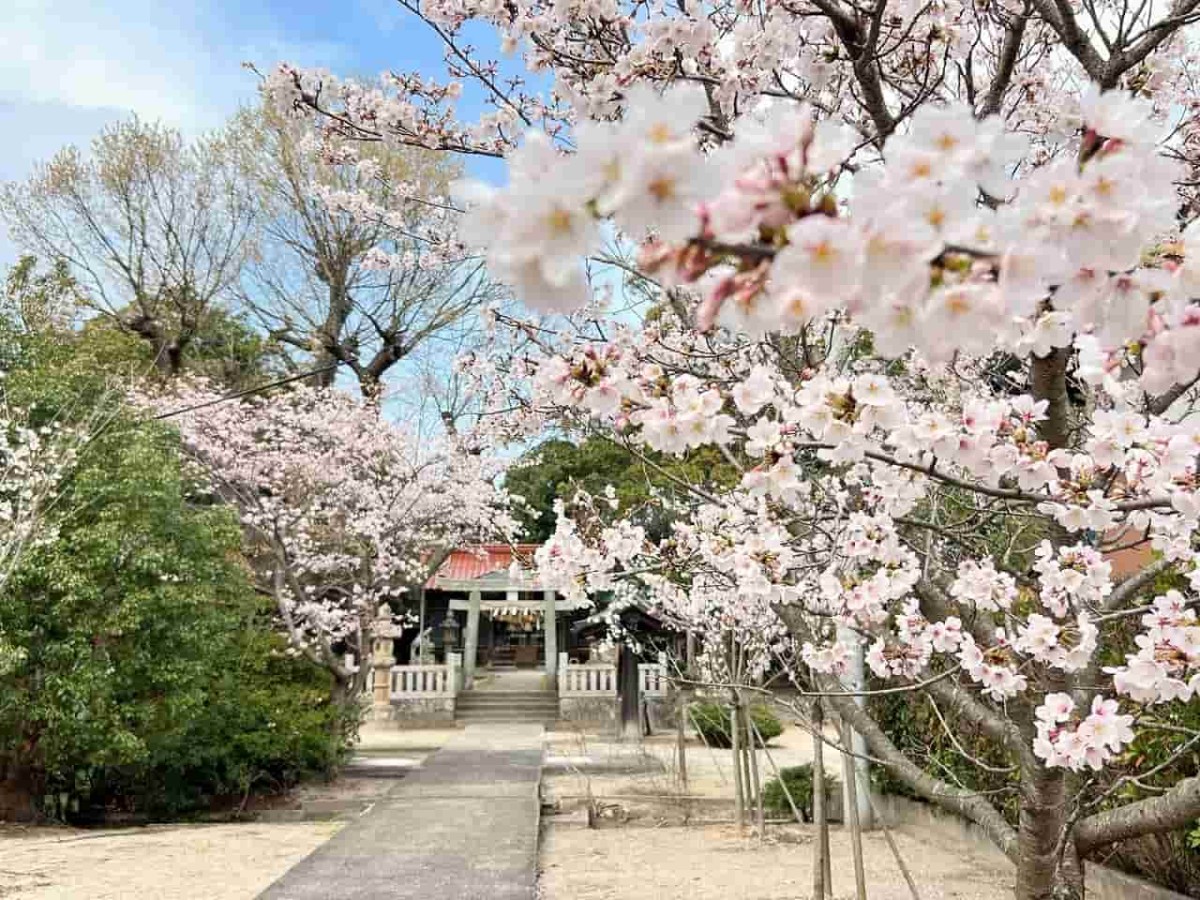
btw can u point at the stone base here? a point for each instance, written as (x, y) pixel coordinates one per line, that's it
(661, 713)
(416, 713)
(597, 712)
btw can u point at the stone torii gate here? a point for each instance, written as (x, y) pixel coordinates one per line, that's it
(492, 587)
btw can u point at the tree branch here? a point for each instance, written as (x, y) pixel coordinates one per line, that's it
(1176, 808)
(953, 799)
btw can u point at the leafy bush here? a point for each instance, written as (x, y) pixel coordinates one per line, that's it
(799, 782)
(139, 671)
(712, 720)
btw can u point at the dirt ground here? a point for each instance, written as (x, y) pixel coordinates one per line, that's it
(579, 765)
(170, 862)
(645, 848)
(715, 862)
(200, 862)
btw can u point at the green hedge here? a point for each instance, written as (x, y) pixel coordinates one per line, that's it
(712, 720)
(139, 671)
(799, 781)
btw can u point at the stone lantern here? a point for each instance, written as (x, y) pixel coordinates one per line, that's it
(451, 632)
(382, 659)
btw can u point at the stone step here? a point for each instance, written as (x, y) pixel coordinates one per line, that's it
(507, 697)
(548, 718)
(507, 706)
(379, 766)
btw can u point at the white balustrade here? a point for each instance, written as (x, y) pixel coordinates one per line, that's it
(422, 681)
(652, 679)
(592, 678)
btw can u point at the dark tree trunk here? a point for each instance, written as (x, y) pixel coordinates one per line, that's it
(326, 373)
(1048, 381)
(16, 794)
(1045, 871)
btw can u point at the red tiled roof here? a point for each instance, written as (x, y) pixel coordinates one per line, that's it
(469, 563)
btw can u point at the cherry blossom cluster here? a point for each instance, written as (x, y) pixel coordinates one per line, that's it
(1088, 743)
(977, 584)
(1075, 577)
(343, 508)
(538, 229)
(913, 256)
(403, 108)
(1166, 665)
(1127, 471)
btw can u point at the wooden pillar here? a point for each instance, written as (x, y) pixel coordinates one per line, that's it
(550, 626)
(630, 694)
(421, 621)
(472, 646)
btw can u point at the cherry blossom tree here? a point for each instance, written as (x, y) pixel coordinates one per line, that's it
(40, 443)
(343, 510)
(34, 461)
(925, 274)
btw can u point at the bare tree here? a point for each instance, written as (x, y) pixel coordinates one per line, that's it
(339, 285)
(154, 228)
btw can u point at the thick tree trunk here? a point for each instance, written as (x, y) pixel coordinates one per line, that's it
(16, 795)
(1044, 870)
(1048, 866)
(326, 375)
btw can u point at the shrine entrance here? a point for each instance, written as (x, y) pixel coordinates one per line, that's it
(497, 611)
(517, 639)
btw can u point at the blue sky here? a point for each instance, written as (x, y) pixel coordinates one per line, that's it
(68, 67)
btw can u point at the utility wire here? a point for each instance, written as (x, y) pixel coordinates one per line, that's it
(247, 392)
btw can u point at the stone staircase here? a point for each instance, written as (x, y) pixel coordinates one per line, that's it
(506, 706)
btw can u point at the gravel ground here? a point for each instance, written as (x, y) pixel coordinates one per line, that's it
(170, 862)
(717, 863)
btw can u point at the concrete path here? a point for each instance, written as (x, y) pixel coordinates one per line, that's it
(461, 827)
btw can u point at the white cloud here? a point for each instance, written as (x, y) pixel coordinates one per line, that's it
(131, 55)
(68, 67)
(178, 62)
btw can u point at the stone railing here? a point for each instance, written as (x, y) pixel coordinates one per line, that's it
(588, 680)
(419, 682)
(601, 678)
(653, 679)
